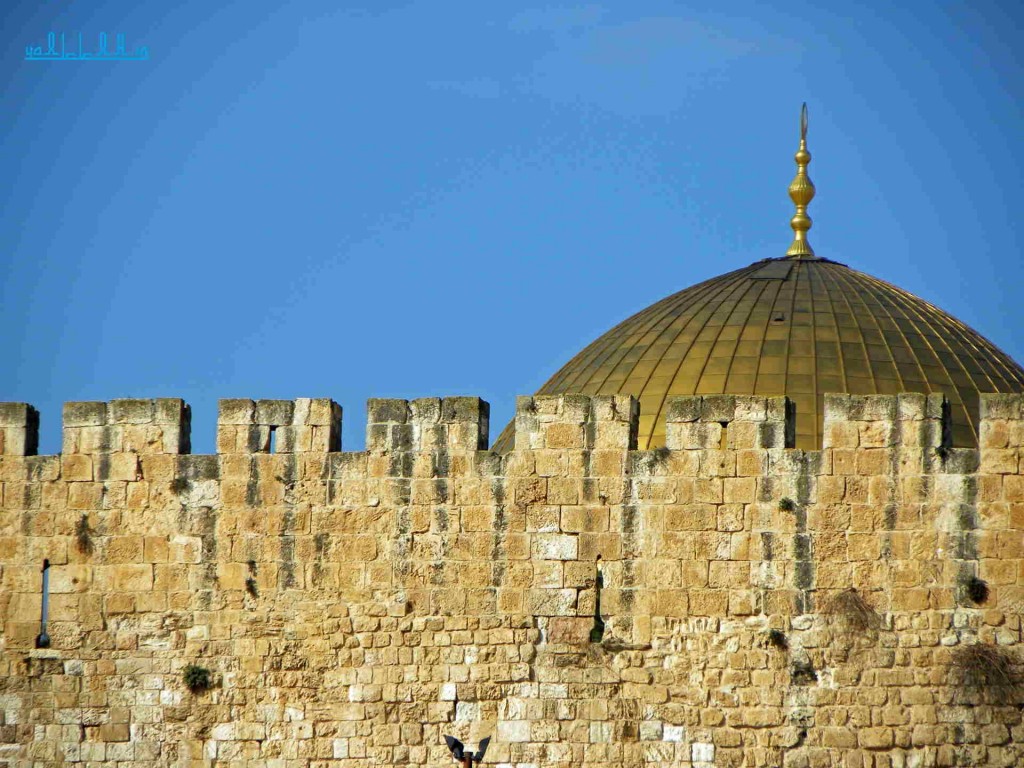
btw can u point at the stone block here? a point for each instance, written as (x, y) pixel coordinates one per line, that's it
(319, 412)
(132, 578)
(911, 406)
(19, 429)
(679, 409)
(238, 412)
(555, 547)
(695, 435)
(14, 441)
(425, 411)
(85, 414)
(570, 407)
(702, 752)
(999, 461)
(743, 434)
(719, 408)
(841, 434)
(123, 466)
(131, 411)
(937, 407)
(274, 413)
(469, 422)
(387, 411)
(875, 738)
(563, 435)
(115, 732)
(14, 414)
(876, 434)
(570, 631)
(170, 410)
(1001, 406)
(551, 602)
(751, 408)
(617, 434)
(511, 731)
(456, 410)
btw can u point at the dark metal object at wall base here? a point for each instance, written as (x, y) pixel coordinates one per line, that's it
(462, 755)
(43, 639)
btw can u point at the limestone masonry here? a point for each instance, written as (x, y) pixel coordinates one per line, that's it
(857, 606)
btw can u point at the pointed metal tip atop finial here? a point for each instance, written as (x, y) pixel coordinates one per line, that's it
(801, 192)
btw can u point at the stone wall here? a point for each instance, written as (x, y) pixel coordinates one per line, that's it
(760, 606)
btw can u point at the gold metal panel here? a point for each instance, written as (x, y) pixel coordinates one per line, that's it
(741, 383)
(825, 332)
(826, 349)
(773, 384)
(801, 347)
(717, 365)
(744, 365)
(774, 364)
(711, 385)
(802, 365)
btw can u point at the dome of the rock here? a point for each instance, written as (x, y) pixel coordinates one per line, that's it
(797, 327)
(800, 326)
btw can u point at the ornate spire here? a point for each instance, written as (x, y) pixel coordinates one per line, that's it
(801, 192)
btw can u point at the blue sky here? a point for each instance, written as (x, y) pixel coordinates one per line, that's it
(320, 199)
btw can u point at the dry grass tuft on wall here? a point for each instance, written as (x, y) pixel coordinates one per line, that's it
(84, 535)
(987, 672)
(856, 613)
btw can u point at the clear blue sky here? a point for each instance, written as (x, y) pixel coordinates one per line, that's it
(437, 198)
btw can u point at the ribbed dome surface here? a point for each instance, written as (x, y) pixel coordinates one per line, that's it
(796, 327)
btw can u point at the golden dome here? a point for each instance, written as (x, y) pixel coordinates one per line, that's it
(800, 327)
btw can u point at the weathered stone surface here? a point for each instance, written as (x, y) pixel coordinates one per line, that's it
(757, 605)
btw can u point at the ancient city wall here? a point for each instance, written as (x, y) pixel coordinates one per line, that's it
(759, 606)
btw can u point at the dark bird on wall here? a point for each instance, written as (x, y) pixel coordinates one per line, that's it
(465, 757)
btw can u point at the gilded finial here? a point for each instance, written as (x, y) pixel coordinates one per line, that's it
(801, 192)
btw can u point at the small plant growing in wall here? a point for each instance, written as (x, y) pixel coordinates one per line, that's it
(83, 535)
(856, 613)
(776, 638)
(986, 671)
(180, 484)
(250, 583)
(802, 673)
(196, 678)
(976, 589)
(786, 504)
(655, 458)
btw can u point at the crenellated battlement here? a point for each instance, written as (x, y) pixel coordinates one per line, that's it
(163, 425)
(427, 424)
(683, 602)
(576, 422)
(887, 421)
(727, 421)
(294, 426)
(19, 429)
